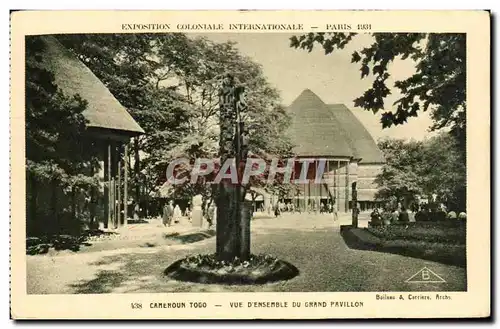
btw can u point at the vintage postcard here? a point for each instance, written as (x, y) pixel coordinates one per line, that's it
(250, 164)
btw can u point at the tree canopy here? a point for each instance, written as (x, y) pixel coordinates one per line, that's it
(55, 149)
(438, 84)
(169, 83)
(60, 161)
(424, 168)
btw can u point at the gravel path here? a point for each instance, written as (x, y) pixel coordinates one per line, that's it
(311, 242)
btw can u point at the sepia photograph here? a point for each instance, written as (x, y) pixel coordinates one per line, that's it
(247, 165)
(351, 153)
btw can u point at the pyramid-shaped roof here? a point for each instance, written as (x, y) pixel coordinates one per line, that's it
(357, 136)
(313, 129)
(73, 77)
(318, 129)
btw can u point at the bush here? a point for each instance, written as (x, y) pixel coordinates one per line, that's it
(451, 231)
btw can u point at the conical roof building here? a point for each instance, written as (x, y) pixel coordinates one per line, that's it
(361, 142)
(314, 129)
(72, 76)
(333, 133)
(109, 128)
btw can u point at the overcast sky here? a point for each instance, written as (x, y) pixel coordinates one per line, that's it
(332, 77)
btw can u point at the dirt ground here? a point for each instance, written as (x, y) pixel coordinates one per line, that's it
(311, 242)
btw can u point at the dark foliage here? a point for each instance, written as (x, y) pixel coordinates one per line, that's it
(58, 157)
(438, 83)
(448, 231)
(446, 253)
(44, 243)
(433, 166)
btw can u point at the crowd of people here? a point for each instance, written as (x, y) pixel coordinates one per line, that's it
(389, 214)
(173, 213)
(323, 207)
(415, 213)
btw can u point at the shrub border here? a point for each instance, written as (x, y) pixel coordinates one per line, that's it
(358, 238)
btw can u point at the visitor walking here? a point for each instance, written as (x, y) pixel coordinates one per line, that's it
(168, 212)
(177, 213)
(137, 211)
(404, 216)
(277, 210)
(210, 215)
(334, 211)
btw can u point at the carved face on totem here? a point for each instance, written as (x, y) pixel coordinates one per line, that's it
(228, 80)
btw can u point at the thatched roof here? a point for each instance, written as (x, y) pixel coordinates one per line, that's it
(314, 130)
(319, 129)
(358, 138)
(73, 77)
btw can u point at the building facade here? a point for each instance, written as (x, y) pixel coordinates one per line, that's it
(331, 132)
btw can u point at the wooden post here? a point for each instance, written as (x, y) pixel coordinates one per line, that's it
(119, 188)
(110, 188)
(106, 185)
(337, 186)
(316, 192)
(114, 185)
(92, 205)
(125, 185)
(297, 200)
(354, 205)
(308, 202)
(327, 185)
(347, 186)
(320, 187)
(137, 168)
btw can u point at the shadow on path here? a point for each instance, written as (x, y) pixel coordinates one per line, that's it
(43, 244)
(191, 237)
(141, 271)
(137, 221)
(104, 282)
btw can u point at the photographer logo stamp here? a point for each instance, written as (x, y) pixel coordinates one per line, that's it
(425, 275)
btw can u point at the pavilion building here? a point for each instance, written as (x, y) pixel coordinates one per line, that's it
(109, 128)
(333, 133)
